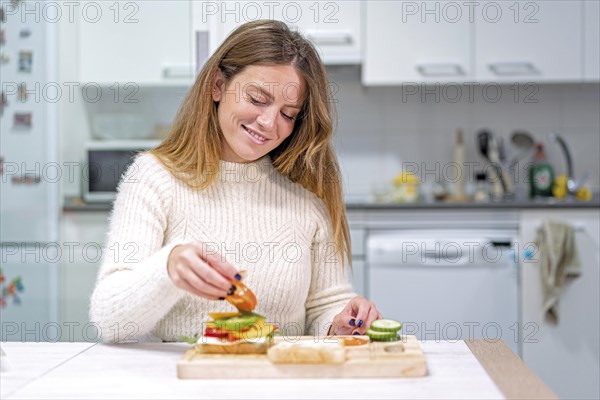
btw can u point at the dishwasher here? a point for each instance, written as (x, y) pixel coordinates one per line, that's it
(447, 284)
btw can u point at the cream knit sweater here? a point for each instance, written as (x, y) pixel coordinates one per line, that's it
(257, 219)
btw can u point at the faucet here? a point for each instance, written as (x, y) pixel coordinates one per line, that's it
(572, 186)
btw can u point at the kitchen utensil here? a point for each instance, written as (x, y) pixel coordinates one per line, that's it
(524, 143)
(483, 138)
(488, 146)
(501, 149)
(398, 359)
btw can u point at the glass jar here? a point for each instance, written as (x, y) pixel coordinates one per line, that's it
(482, 188)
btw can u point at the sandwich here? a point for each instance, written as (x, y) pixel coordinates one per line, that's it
(240, 332)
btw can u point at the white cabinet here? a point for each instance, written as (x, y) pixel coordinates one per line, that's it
(147, 42)
(567, 355)
(404, 43)
(528, 41)
(334, 27)
(358, 237)
(486, 41)
(591, 40)
(85, 234)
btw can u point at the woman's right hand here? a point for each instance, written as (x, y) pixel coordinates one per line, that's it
(205, 275)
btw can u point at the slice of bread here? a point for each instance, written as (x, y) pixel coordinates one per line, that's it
(233, 348)
(307, 352)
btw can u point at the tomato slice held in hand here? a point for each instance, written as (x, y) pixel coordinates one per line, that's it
(243, 298)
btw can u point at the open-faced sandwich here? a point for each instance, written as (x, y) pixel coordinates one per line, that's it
(241, 332)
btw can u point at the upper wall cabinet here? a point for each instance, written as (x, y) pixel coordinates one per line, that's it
(484, 41)
(145, 42)
(528, 41)
(415, 42)
(333, 26)
(591, 40)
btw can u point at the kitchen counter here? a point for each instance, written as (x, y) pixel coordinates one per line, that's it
(77, 204)
(475, 369)
(517, 204)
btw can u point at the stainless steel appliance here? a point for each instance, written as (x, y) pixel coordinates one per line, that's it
(106, 162)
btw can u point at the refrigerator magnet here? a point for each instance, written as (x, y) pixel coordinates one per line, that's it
(24, 33)
(2, 15)
(1, 165)
(22, 92)
(31, 179)
(3, 102)
(4, 58)
(2, 37)
(25, 61)
(26, 179)
(22, 120)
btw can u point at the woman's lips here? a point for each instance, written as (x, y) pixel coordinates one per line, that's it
(256, 138)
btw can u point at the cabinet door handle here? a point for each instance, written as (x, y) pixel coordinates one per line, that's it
(513, 68)
(329, 38)
(177, 72)
(440, 69)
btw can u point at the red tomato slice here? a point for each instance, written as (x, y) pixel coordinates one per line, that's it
(215, 332)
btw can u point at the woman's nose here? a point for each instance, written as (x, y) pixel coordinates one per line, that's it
(267, 119)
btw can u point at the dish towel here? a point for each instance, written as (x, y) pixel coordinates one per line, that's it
(558, 261)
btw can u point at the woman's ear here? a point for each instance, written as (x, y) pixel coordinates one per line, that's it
(218, 86)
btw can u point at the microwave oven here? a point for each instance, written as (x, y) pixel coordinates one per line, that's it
(104, 165)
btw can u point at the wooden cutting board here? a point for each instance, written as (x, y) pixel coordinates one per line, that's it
(375, 360)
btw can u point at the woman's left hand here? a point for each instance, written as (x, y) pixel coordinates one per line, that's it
(355, 318)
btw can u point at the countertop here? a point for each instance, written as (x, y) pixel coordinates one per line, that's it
(77, 204)
(474, 369)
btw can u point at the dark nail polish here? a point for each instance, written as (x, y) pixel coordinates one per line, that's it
(356, 333)
(238, 277)
(360, 322)
(351, 322)
(231, 290)
(221, 298)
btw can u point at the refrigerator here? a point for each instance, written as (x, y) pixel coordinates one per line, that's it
(30, 173)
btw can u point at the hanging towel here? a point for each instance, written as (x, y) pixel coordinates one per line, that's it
(558, 261)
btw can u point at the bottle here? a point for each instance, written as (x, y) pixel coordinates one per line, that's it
(459, 160)
(541, 174)
(482, 188)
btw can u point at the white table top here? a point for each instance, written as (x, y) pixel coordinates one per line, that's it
(29, 361)
(148, 371)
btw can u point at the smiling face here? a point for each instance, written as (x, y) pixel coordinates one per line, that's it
(257, 110)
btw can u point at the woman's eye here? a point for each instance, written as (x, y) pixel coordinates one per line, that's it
(255, 101)
(288, 117)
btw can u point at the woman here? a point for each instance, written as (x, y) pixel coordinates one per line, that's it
(246, 179)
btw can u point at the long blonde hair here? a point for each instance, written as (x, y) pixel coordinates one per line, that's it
(192, 147)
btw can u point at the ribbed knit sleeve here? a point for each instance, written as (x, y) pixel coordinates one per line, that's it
(330, 288)
(133, 290)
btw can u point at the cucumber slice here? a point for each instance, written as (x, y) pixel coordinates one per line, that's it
(376, 336)
(385, 325)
